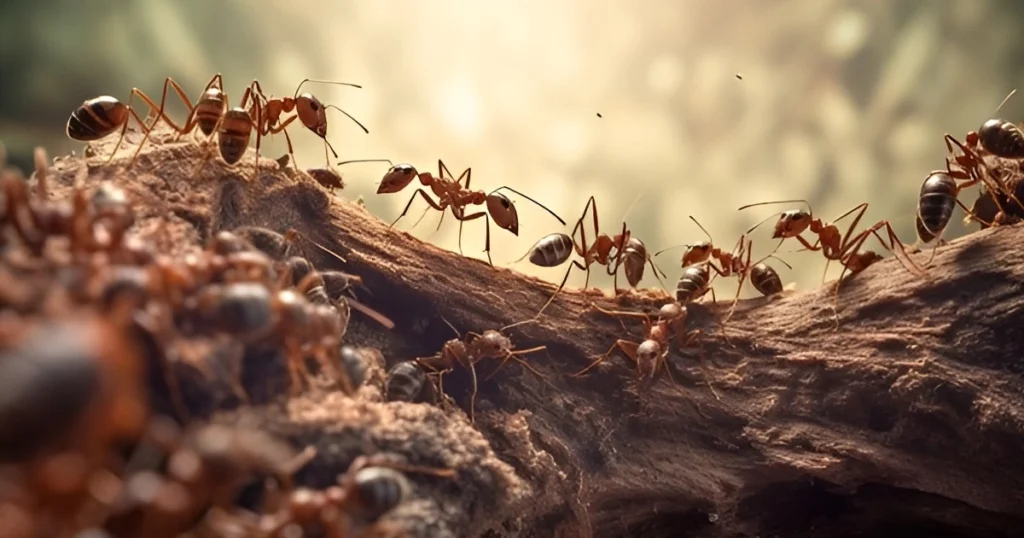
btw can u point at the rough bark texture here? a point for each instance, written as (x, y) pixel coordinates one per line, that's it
(905, 411)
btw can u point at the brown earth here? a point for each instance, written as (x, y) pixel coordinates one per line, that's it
(902, 415)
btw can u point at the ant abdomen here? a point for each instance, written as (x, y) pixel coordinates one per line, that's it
(1002, 138)
(210, 108)
(234, 134)
(552, 250)
(380, 490)
(765, 279)
(405, 382)
(693, 283)
(935, 205)
(96, 118)
(635, 257)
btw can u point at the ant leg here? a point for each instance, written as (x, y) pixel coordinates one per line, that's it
(562, 285)
(513, 356)
(463, 218)
(160, 114)
(739, 287)
(703, 363)
(627, 347)
(897, 247)
(124, 128)
(425, 196)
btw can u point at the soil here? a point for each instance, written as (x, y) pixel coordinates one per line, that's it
(898, 413)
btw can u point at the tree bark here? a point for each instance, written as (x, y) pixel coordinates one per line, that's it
(901, 410)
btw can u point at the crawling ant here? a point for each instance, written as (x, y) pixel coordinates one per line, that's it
(836, 247)
(101, 116)
(738, 263)
(308, 109)
(252, 312)
(554, 249)
(369, 489)
(651, 355)
(206, 468)
(451, 193)
(473, 348)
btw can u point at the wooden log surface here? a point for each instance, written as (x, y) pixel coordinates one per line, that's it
(904, 409)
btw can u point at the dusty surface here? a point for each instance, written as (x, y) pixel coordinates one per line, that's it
(906, 416)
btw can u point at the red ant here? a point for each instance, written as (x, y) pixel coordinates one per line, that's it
(554, 249)
(452, 194)
(836, 247)
(651, 355)
(307, 108)
(471, 349)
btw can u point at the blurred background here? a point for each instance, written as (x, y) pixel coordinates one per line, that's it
(662, 108)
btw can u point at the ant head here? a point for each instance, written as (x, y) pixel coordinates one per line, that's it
(503, 211)
(312, 113)
(697, 252)
(493, 344)
(397, 178)
(647, 355)
(792, 223)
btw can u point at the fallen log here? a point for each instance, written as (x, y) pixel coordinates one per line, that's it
(901, 411)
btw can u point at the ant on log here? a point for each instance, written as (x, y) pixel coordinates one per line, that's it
(101, 116)
(471, 349)
(844, 248)
(451, 193)
(651, 355)
(554, 249)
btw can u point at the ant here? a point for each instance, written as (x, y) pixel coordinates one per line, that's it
(370, 488)
(651, 355)
(554, 249)
(406, 382)
(452, 194)
(308, 109)
(474, 347)
(836, 247)
(101, 116)
(737, 262)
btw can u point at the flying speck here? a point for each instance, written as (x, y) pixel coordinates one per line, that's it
(599, 115)
(739, 76)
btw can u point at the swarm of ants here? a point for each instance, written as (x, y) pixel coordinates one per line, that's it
(89, 447)
(99, 331)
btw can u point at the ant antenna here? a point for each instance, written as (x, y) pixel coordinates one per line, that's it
(777, 258)
(710, 239)
(805, 202)
(449, 324)
(361, 126)
(1007, 98)
(305, 80)
(553, 214)
(297, 233)
(342, 163)
(518, 323)
(754, 227)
